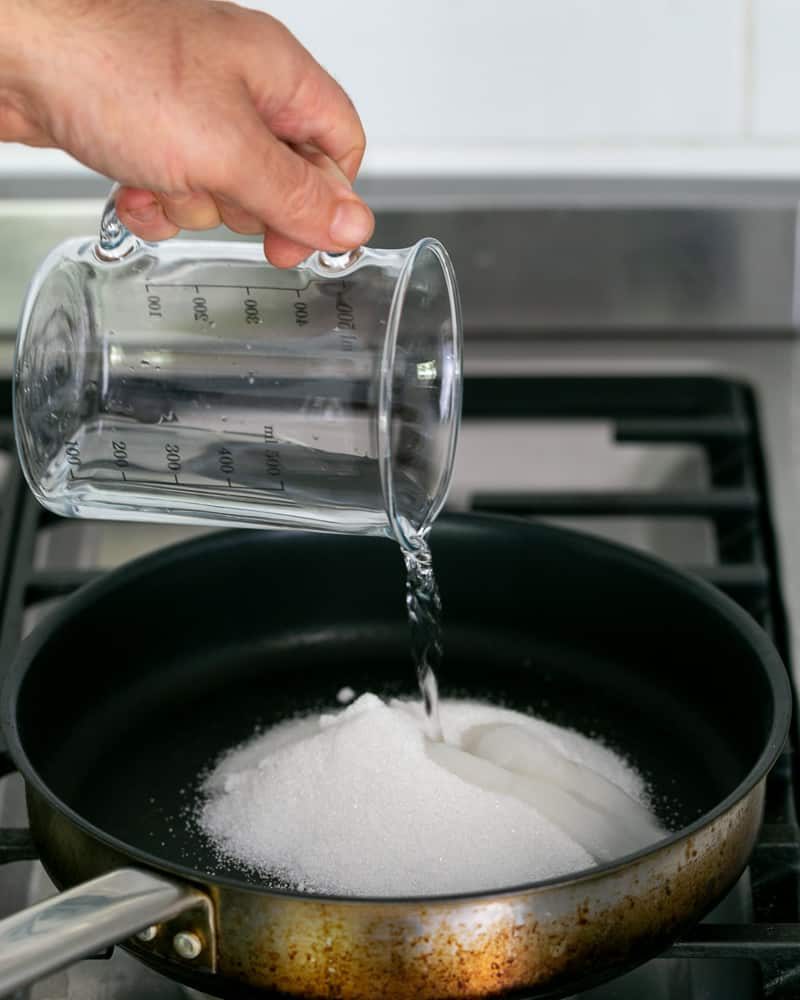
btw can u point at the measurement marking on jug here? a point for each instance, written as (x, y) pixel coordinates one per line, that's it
(272, 459)
(200, 308)
(173, 455)
(219, 284)
(154, 306)
(226, 464)
(345, 320)
(301, 313)
(345, 317)
(251, 314)
(73, 452)
(120, 454)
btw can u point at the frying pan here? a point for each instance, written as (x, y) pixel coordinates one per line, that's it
(117, 702)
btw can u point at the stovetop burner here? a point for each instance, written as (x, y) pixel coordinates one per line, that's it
(696, 492)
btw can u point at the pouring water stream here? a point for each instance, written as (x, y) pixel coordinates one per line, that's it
(425, 618)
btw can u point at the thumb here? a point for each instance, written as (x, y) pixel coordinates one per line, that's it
(281, 251)
(291, 195)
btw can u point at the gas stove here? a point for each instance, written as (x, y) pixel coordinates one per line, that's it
(632, 371)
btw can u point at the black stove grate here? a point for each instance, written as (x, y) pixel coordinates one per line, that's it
(718, 415)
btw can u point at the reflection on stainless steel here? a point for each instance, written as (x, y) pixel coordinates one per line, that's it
(532, 255)
(623, 269)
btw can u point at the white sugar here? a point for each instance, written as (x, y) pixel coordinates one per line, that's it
(345, 695)
(359, 802)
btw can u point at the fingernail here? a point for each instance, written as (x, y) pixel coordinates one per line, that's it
(145, 213)
(351, 224)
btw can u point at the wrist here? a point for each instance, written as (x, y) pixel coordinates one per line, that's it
(20, 38)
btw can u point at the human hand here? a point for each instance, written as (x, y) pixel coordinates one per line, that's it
(204, 111)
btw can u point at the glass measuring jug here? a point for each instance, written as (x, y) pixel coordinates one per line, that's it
(191, 382)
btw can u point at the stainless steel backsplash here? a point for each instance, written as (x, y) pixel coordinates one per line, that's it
(532, 256)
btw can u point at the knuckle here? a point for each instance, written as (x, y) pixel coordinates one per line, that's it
(238, 220)
(227, 18)
(231, 165)
(173, 163)
(303, 196)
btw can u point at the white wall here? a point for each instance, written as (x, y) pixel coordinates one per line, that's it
(559, 86)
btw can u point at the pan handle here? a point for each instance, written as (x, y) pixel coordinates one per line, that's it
(84, 920)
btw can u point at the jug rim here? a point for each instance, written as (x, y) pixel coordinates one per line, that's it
(405, 531)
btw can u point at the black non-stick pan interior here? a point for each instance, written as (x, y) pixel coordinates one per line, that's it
(144, 679)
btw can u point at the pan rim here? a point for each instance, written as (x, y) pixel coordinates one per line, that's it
(776, 673)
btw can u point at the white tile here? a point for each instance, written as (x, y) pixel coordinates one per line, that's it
(765, 159)
(18, 159)
(532, 159)
(776, 69)
(589, 159)
(544, 70)
(552, 86)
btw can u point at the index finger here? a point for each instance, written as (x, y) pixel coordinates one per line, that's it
(320, 112)
(338, 130)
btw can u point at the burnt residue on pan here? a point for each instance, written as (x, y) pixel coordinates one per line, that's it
(486, 947)
(468, 947)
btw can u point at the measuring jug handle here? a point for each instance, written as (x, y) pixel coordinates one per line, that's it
(115, 240)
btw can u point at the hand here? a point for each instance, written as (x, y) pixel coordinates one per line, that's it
(204, 111)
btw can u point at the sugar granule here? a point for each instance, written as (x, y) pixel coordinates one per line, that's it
(358, 802)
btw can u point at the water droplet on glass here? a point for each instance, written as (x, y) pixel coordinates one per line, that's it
(249, 347)
(144, 364)
(251, 378)
(224, 419)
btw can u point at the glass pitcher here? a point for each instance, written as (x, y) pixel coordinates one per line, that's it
(192, 382)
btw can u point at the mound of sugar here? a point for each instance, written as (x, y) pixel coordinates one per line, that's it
(360, 803)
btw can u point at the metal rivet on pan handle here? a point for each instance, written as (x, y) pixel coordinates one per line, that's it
(187, 945)
(189, 937)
